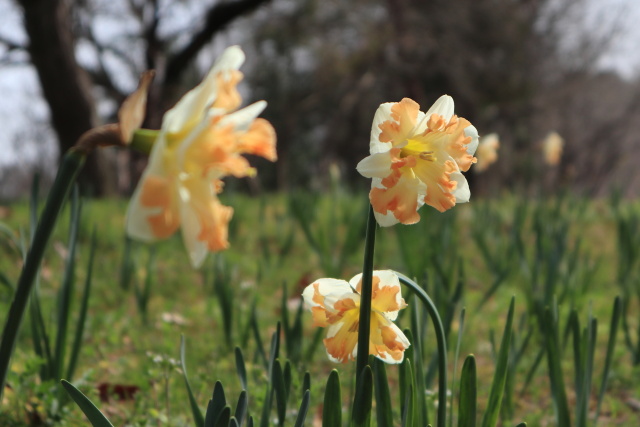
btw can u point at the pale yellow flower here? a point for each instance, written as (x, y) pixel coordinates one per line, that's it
(335, 304)
(552, 148)
(487, 152)
(202, 139)
(417, 158)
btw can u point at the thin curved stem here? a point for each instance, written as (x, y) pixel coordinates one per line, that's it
(364, 325)
(442, 346)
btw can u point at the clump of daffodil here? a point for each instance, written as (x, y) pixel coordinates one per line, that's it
(487, 152)
(552, 148)
(202, 140)
(335, 304)
(418, 158)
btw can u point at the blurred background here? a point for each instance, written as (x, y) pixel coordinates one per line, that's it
(518, 68)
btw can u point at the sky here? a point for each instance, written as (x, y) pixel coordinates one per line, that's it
(27, 139)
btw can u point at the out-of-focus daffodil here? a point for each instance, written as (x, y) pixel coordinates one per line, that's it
(417, 158)
(487, 152)
(552, 148)
(202, 139)
(335, 304)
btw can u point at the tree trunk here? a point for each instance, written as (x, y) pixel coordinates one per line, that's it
(64, 84)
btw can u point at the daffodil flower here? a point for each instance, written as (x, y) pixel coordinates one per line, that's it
(487, 152)
(552, 147)
(335, 304)
(417, 158)
(202, 140)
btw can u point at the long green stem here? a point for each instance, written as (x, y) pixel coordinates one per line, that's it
(69, 168)
(442, 346)
(364, 325)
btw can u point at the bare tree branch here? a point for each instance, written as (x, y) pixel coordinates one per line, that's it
(217, 18)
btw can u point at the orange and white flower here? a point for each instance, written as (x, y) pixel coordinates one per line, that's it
(202, 139)
(417, 158)
(552, 148)
(335, 304)
(487, 152)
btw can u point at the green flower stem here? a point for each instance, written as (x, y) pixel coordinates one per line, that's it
(364, 325)
(442, 346)
(143, 140)
(69, 168)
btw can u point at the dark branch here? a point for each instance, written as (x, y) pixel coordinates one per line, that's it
(217, 18)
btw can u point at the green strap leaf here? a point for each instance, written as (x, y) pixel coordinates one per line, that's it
(94, 415)
(302, 411)
(241, 368)
(361, 414)
(224, 417)
(216, 405)
(490, 418)
(332, 408)
(468, 393)
(384, 414)
(242, 407)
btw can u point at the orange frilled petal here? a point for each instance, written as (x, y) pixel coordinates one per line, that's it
(404, 114)
(401, 198)
(458, 142)
(228, 96)
(158, 192)
(259, 140)
(387, 340)
(440, 186)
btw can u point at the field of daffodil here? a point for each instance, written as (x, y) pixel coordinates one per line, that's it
(193, 305)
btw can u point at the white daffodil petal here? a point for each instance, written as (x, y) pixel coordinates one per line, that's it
(196, 249)
(444, 106)
(242, 119)
(471, 131)
(383, 113)
(375, 166)
(194, 103)
(461, 192)
(330, 289)
(137, 226)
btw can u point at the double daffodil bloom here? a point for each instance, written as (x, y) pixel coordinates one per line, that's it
(202, 140)
(335, 304)
(417, 158)
(487, 152)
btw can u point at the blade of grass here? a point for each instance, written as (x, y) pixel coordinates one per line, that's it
(613, 333)
(84, 306)
(490, 417)
(65, 294)
(198, 419)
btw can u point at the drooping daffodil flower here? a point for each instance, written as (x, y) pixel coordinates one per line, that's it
(335, 305)
(202, 140)
(417, 158)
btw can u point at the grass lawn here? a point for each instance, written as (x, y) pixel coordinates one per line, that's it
(564, 251)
